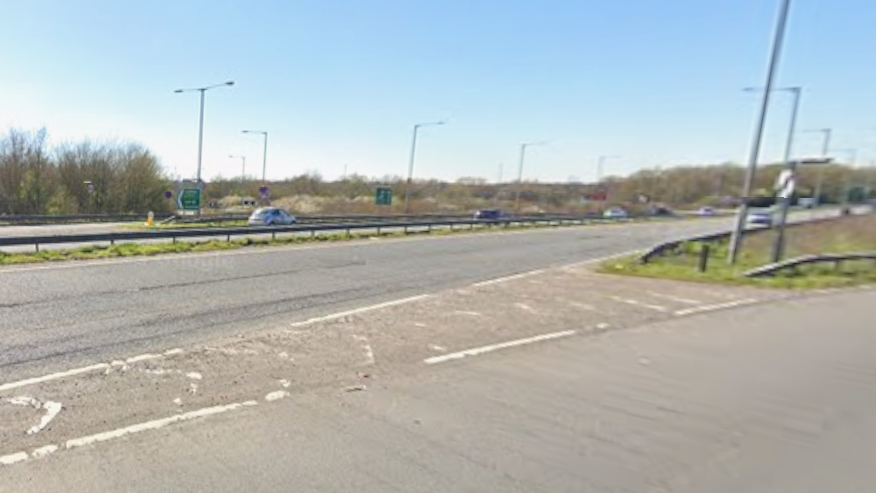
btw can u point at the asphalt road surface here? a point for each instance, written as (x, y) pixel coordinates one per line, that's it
(57, 316)
(778, 397)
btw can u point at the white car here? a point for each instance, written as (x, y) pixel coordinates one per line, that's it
(270, 216)
(706, 211)
(615, 213)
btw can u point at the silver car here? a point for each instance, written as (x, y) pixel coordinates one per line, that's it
(270, 216)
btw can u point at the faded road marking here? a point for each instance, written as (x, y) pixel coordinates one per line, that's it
(53, 376)
(52, 409)
(686, 301)
(656, 308)
(719, 306)
(508, 278)
(155, 424)
(359, 310)
(496, 347)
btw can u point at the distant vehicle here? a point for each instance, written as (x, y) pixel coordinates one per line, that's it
(807, 202)
(706, 211)
(660, 211)
(488, 214)
(615, 213)
(270, 216)
(760, 217)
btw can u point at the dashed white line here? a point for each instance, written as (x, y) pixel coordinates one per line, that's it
(143, 357)
(656, 308)
(508, 278)
(8, 460)
(53, 376)
(495, 347)
(686, 301)
(719, 306)
(276, 395)
(359, 310)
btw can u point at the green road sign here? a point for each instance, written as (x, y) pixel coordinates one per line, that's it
(383, 196)
(189, 199)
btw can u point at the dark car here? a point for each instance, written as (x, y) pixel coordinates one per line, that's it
(660, 211)
(488, 214)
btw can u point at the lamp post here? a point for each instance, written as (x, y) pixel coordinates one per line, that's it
(202, 90)
(411, 161)
(600, 165)
(520, 171)
(264, 152)
(757, 138)
(242, 167)
(825, 149)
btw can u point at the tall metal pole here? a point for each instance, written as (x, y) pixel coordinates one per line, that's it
(411, 161)
(411, 169)
(736, 238)
(779, 245)
(519, 176)
(201, 136)
(824, 151)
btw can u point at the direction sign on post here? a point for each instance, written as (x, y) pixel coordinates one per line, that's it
(189, 199)
(785, 184)
(383, 196)
(265, 193)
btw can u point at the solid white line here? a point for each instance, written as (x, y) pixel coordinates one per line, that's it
(495, 347)
(656, 308)
(53, 376)
(719, 306)
(155, 424)
(360, 310)
(508, 278)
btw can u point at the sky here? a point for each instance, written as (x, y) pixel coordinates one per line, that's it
(340, 83)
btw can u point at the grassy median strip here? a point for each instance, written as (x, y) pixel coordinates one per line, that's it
(92, 252)
(852, 234)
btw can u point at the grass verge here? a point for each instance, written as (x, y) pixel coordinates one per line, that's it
(851, 234)
(93, 252)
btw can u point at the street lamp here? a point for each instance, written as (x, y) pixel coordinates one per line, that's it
(242, 167)
(411, 162)
(264, 152)
(520, 171)
(202, 90)
(757, 138)
(600, 163)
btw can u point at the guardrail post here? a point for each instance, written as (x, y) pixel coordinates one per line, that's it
(37, 245)
(273, 236)
(704, 257)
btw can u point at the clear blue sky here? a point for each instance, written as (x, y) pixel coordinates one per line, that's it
(340, 82)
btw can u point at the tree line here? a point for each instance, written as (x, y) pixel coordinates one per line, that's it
(81, 177)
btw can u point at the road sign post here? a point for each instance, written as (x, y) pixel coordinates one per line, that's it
(189, 199)
(383, 196)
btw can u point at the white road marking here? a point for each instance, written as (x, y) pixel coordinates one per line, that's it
(53, 376)
(495, 347)
(177, 401)
(508, 278)
(467, 312)
(143, 357)
(656, 308)
(44, 451)
(155, 424)
(172, 352)
(525, 307)
(52, 409)
(669, 297)
(359, 310)
(276, 395)
(8, 460)
(194, 375)
(435, 347)
(719, 306)
(366, 346)
(285, 383)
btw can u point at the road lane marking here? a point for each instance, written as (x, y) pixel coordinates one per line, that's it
(719, 306)
(52, 409)
(276, 395)
(508, 278)
(656, 308)
(53, 376)
(8, 460)
(495, 347)
(686, 301)
(155, 424)
(360, 310)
